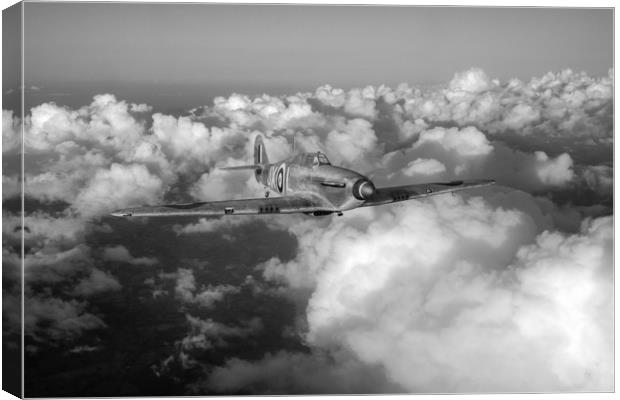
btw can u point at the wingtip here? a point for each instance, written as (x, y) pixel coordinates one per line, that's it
(121, 213)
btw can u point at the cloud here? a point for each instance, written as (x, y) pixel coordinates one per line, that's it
(119, 186)
(11, 132)
(189, 141)
(221, 185)
(11, 187)
(267, 112)
(361, 102)
(43, 232)
(56, 264)
(455, 124)
(54, 319)
(106, 122)
(599, 178)
(467, 153)
(203, 337)
(296, 373)
(187, 291)
(205, 225)
(424, 289)
(98, 281)
(84, 349)
(207, 334)
(466, 142)
(140, 108)
(120, 253)
(473, 81)
(353, 142)
(557, 105)
(333, 97)
(520, 116)
(554, 172)
(424, 166)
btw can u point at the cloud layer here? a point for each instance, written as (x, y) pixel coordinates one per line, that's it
(428, 288)
(401, 298)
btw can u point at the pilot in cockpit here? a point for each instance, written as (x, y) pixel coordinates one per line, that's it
(320, 159)
(315, 161)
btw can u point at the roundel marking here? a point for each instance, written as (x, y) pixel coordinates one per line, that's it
(280, 179)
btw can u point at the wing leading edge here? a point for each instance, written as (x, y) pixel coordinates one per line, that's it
(407, 192)
(273, 205)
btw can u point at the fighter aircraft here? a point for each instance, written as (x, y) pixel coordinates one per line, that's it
(306, 183)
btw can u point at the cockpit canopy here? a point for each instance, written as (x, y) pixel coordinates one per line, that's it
(314, 159)
(322, 159)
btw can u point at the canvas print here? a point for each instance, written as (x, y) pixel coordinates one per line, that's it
(231, 199)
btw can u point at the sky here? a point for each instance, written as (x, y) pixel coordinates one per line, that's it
(206, 50)
(516, 278)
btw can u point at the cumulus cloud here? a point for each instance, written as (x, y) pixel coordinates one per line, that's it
(98, 281)
(187, 291)
(519, 116)
(99, 142)
(599, 178)
(330, 96)
(267, 112)
(564, 104)
(106, 122)
(11, 187)
(120, 253)
(119, 187)
(353, 142)
(424, 289)
(553, 172)
(217, 185)
(205, 225)
(55, 319)
(297, 373)
(11, 131)
(468, 153)
(361, 102)
(183, 138)
(43, 231)
(83, 349)
(204, 336)
(467, 142)
(101, 156)
(207, 334)
(424, 166)
(473, 81)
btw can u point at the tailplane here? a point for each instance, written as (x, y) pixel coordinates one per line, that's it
(260, 161)
(260, 157)
(254, 166)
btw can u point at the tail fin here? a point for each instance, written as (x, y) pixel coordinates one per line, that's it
(260, 154)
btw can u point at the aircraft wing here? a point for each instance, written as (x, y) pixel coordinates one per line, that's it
(273, 205)
(407, 192)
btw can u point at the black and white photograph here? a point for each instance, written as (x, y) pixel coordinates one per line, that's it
(207, 199)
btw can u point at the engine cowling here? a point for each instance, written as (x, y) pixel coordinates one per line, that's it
(363, 189)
